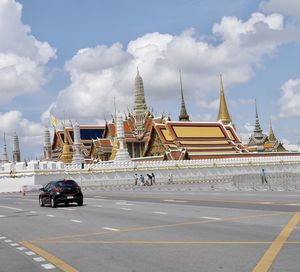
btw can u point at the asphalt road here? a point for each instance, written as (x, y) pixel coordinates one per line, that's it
(145, 230)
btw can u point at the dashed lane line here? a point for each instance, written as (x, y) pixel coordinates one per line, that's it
(111, 229)
(67, 209)
(210, 218)
(11, 208)
(124, 203)
(14, 244)
(2, 216)
(48, 266)
(50, 215)
(89, 234)
(97, 206)
(126, 209)
(21, 248)
(174, 201)
(30, 253)
(54, 261)
(2, 237)
(39, 259)
(7, 241)
(160, 212)
(293, 204)
(76, 221)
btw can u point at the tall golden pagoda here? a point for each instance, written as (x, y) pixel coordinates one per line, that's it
(223, 115)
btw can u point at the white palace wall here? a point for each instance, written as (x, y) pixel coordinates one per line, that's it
(242, 171)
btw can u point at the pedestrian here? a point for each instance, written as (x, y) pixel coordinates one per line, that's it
(153, 178)
(263, 177)
(149, 179)
(136, 178)
(142, 180)
(170, 178)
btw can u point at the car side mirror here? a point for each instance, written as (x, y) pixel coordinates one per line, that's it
(42, 189)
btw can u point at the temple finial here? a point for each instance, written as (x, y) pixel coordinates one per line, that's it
(183, 116)
(272, 137)
(140, 106)
(257, 128)
(223, 115)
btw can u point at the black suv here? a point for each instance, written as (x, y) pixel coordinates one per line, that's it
(62, 191)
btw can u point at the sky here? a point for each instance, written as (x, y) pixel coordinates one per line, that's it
(70, 58)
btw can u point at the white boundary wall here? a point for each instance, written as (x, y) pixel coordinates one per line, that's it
(240, 171)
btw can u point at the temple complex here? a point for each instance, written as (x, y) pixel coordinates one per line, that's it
(148, 137)
(260, 142)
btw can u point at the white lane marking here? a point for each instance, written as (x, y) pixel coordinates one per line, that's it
(11, 208)
(2, 237)
(7, 241)
(100, 197)
(18, 203)
(293, 204)
(98, 206)
(76, 221)
(33, 212)
(126, 209)
(21, 248)
(14, 244)
(112, 229)
(29, 253)
(294, 195)
(124, 203)
(160, 212)
(48, 266)
(176, 201)
(39, 259)
(266, 202)
(67, 209)
(2, 216)
(210, 218)
(50, 215)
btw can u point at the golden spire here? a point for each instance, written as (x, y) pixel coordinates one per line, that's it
(223, 115)
(271, 137)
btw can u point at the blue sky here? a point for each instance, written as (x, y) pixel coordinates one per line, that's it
(63, 57)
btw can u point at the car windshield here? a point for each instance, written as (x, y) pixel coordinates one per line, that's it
(66, 183)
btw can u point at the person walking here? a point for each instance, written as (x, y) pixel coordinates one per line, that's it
(153, 178)
(136, 178)
(142, 180)
(170, 178)
(263, 177)
(149, 179)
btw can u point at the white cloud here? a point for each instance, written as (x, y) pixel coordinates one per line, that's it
(100, 73)
(22, 56)
(290, 98)
(287, 7)
(29, 132)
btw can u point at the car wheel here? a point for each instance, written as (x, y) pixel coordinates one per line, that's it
(80, 202)
(53, 202)
(41, 203)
